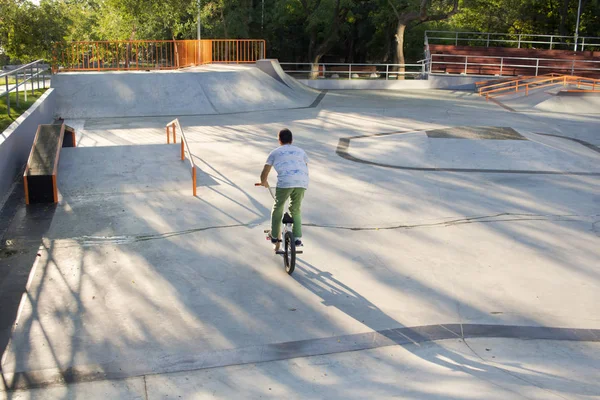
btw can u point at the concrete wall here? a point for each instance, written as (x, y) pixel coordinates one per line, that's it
(17, 139)
(456, 82)
(434, 81)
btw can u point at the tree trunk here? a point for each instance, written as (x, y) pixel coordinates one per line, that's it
(400, 49)
(564, 10)
(314, 69)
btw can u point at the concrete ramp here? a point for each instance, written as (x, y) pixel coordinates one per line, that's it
(213, 89)
(272, 68)
(572, 103)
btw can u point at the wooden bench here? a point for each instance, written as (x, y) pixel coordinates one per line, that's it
(42, 166)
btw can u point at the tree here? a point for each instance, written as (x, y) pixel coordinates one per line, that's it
(28, 31)
(408, 13)
(324, 22)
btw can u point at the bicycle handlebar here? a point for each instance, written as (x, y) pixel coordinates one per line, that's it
(269, 187)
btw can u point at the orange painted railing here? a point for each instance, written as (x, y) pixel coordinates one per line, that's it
(538, 82)
(154, 54)
(172, 127)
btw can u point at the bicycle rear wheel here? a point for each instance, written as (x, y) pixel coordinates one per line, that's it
(289, 256)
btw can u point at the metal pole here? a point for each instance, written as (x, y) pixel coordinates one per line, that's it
(17, 86)
(7, 95)
(577, 25)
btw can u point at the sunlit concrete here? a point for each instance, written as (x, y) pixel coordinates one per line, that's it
(137, 277)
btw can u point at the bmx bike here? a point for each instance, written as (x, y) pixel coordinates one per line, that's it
(289, 241)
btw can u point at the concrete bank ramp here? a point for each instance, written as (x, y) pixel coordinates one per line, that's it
(572, 103)
(215, 89)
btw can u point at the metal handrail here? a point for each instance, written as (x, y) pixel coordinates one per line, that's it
(184, 146)
(154, 54)
(487, 38)
(540, 83)
(568, 63)
(515, 58)
(322, 68)
(18, 84)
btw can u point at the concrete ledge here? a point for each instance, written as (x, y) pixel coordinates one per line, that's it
(375, 84)
(17, 139)
(577, 94)
(457, 82)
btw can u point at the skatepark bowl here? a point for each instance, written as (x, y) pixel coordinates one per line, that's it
(452, 245)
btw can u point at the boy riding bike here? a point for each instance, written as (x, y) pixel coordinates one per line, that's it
(291, 164)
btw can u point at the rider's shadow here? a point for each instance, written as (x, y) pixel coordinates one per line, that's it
(336, 294)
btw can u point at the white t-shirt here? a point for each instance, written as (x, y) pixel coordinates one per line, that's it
(290, 163)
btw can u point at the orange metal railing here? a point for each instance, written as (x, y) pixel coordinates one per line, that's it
(154, 54)
(172, 127)
(527, 83)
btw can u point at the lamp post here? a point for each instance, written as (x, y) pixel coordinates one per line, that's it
(577, 26)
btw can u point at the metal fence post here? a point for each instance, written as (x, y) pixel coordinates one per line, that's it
(17, 86)
(519, 45)
(583, 43)
(7, 95)
(537, 66)
(456, 43)
(488, 40)
(573, 67)
(387, 71)
(501, 64)
(350, 71)
(551, 37)
(466, 63)
(31, 79)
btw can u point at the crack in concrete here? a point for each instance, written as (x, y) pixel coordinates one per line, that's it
(511, 217)
(87, 241)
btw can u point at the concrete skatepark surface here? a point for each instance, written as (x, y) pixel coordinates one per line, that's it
(413, 283)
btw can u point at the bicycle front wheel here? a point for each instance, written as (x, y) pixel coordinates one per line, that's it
(289, 256)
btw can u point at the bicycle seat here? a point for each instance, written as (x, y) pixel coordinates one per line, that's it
(287, 219)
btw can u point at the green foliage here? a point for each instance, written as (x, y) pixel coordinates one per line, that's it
(28, 31)
(295, 30)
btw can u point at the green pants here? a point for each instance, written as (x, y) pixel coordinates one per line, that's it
(281, 195)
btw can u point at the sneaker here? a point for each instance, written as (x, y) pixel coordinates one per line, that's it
(299, 243)
(273, 240)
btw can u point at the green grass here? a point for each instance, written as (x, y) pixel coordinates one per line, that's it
(12, 80)
(15, 112)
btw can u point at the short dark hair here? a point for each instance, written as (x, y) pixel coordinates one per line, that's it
(285, 136)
